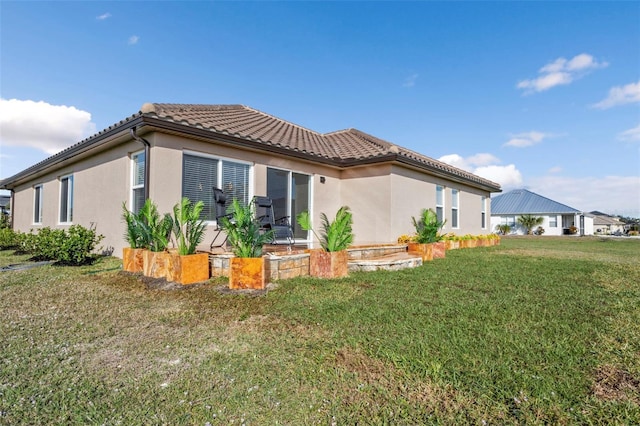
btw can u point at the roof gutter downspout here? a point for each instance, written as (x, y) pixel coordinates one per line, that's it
(147, 162)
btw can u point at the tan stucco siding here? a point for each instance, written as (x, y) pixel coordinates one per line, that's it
(166, 174)
(100, 184)
(366, 191)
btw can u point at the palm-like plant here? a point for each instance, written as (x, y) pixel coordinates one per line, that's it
(244, 233)
(529, 221)
(503, 229)
(428, 227)
(187, 225)
(133, 233)
(155, 230)
(336, 235)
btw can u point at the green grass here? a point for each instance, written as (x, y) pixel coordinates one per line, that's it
(535, 331)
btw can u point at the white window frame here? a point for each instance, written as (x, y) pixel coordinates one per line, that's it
(221, 160)
(69, 200)
(37, 204)
(553, 221)
(455, 208)
(483, 212)
(441, 206)
(135, 186)
(290, 173)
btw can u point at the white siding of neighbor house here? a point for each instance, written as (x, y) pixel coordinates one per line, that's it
(383, 197)
(547, 219)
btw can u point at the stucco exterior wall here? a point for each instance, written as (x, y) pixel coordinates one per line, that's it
(383, 197)
(100, 184)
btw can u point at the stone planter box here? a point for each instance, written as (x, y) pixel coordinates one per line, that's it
(132, 259)
(452, 245)
(439, 250)
(155, 264)
(323, 264)
(247, 273)
(188, 269)
(423, 250)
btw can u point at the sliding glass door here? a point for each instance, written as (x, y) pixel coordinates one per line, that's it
(289, 192)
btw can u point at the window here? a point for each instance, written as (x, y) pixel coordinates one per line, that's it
(484, 212)
(37, 204)
(455, 199)
(440, 203)
(200, 174)
(66, 199)
(553, 221)
(508, 220)
(289, 192)
(137, 184)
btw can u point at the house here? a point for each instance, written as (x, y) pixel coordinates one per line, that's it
(558, 219)
(604, 224)
(166, 151)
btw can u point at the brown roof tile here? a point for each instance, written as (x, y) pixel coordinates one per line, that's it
(254, 125)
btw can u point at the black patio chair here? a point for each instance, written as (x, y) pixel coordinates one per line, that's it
(281, 227)
(219, 203)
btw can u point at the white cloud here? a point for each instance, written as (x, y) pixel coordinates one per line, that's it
(522, 140)
(620, 95)
(486, 166)
(559, 72)
(631, 134)
(610, 194)
(555, 170)
(134, 39)
(509, 177)
(103, 16)
(410, 81)
(49, 128)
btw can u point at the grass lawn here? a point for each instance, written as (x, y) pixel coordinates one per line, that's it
(535, 331)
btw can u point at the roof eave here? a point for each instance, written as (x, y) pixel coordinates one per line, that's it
(57, 160)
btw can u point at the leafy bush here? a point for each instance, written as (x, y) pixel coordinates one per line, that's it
(8, 238)
(539, 230)
(243, 230)
(77, 245)
(529, 221)
(49, 244)
(428, 227)
(336, 235)
(5, 221)
(72, 247)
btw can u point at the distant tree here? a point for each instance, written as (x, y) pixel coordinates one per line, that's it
(529, 221)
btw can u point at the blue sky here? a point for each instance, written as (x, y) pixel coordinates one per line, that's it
(541, 95)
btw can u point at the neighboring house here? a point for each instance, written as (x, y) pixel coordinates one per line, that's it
(557, 218)
(5, 203)
(605, 225)
(166, 151)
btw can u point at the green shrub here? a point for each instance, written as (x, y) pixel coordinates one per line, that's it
(48, 243)
(26, 242)
(72, 247)
(5, 221)
(8, 238)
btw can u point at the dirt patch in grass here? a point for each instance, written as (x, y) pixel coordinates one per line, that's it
(380, 384)
(614, 384)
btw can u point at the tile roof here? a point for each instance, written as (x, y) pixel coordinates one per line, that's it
(522, 201)
(341, 148)
(344, 146)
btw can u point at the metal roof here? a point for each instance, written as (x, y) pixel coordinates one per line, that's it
(522, 201)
